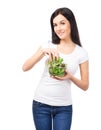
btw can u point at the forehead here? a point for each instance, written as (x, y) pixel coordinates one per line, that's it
(58, 18)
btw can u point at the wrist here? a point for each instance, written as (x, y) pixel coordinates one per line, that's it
(70, 76)
(43, 52)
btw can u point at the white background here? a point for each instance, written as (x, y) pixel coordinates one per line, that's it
(24, 24)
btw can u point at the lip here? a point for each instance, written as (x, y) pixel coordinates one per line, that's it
(60, 33)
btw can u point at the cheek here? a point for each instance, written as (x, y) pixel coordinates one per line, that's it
(68, 29)
(55, 30)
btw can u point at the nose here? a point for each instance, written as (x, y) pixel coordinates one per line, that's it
(58, 28)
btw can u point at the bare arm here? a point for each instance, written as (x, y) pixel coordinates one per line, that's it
(38, 55)
(82, 83)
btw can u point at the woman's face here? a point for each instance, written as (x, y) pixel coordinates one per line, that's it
(62, 27)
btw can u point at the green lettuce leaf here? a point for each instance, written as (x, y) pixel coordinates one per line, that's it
(56, 67)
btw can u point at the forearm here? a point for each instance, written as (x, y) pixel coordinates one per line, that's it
(33, 60)
(83, 84)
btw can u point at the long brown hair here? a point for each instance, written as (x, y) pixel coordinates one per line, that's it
(68, 14)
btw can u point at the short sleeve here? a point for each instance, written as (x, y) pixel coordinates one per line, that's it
(83, 56)
(44, 44)
(48, 44)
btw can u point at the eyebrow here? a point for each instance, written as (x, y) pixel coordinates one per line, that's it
(60, 21)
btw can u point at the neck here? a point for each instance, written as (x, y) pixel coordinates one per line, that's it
(66, 41)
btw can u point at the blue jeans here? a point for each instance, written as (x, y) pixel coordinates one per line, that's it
(48, 117)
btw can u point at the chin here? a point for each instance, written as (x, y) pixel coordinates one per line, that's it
(62, 38)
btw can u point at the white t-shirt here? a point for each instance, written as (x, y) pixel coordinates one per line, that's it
(56, 92)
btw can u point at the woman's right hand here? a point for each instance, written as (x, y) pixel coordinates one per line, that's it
(53, 53)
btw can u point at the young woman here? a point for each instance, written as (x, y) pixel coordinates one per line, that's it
(52, 104)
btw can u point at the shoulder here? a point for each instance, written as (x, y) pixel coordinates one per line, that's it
(81, 50)
(82, 54)
(44, 44)
(48, 44)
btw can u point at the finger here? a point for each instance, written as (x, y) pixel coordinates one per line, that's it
(56, 55)
(46, 51)
(57, 77)
(52, 55)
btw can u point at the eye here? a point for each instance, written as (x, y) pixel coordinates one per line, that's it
(54, 25)
(62, 23)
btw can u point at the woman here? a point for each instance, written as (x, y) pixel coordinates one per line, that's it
(52, 104)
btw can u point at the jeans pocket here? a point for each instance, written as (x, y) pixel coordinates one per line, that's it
(36, 104)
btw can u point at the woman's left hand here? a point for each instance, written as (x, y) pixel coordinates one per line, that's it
(67, 76)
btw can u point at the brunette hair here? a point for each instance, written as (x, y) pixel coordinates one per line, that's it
(68, 14)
